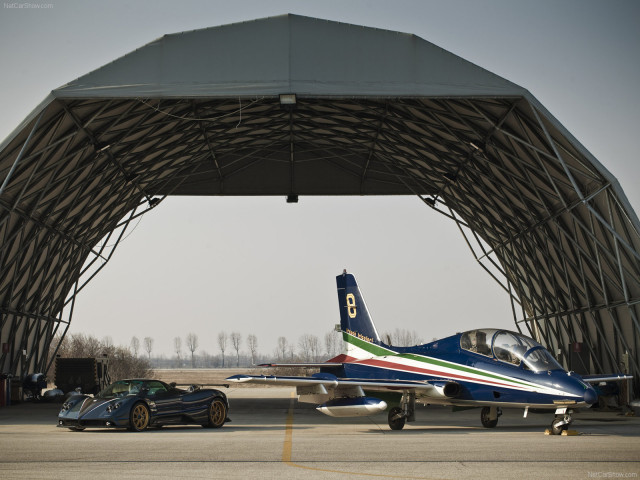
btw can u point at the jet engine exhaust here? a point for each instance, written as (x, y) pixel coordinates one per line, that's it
(448, 389)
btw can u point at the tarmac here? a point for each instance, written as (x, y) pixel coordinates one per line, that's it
(273, 436)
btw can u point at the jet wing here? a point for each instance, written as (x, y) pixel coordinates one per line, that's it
(296, 365)
(286, 381)
(337, 361)
(605, 378)
(331, 381)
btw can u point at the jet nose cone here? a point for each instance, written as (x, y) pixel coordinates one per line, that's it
(590, 396)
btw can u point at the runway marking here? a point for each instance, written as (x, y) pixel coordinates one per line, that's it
(288, 444)
(288, 433)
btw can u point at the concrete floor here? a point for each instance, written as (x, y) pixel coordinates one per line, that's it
(269, 439)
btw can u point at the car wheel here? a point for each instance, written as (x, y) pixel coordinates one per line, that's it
(139, 417)
(217, 413)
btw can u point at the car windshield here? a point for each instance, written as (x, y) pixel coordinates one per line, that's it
(121, 389)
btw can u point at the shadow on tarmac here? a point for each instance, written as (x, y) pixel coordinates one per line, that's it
(269, 414)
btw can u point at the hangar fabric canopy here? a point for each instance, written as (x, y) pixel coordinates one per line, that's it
(296, 106)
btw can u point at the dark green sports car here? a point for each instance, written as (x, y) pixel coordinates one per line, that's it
(140, 403)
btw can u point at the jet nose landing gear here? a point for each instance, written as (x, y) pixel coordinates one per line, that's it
(561, 423)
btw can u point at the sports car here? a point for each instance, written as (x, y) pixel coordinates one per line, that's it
(140, 403)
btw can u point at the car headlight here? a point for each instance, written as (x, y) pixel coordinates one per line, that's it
(66, 406)
(113, 406)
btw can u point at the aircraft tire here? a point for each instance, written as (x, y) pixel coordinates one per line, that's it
(486, 420)
(395, 422)
(557, 429)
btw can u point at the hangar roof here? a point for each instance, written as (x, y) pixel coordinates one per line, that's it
(288, 53)
(376, 113)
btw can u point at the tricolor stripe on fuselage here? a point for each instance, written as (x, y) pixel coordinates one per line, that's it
(367, 353)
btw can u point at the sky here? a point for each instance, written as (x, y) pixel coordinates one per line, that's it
(261, 266)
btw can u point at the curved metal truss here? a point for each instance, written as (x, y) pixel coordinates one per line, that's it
(539, 213)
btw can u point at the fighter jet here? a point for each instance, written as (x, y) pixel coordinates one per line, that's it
(489, 368)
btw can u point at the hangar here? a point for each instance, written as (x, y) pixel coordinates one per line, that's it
(293, 106)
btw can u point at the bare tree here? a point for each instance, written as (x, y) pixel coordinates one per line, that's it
(303, 347)
(206, 359)
(332, 343)
(252, 343)
(148, 345)
(236, 339)
(81, 345)
(401, 337)
(314, 347)
(192, 345)
(107, 342)
(122, 364)
(135, 345)
(222, 343)
(282, 348)
(177, 347)
(309, 346)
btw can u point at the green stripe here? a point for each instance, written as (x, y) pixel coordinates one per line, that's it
(462, 368)
(381, 352)
(364, 345)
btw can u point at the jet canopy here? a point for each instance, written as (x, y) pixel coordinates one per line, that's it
(509, 347)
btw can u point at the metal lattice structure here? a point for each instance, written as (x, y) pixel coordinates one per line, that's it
(540, 214)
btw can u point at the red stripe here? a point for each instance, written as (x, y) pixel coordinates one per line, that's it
(342, 358)
(394, 366)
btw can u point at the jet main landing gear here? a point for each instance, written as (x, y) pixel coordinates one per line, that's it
(404, 413)
(396, 418)
(489, 416)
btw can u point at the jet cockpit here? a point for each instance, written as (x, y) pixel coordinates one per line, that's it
(509, 347)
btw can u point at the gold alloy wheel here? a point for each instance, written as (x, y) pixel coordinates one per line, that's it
(217, 413)
(140, 417)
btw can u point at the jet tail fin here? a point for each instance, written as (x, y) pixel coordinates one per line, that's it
(358, 330)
